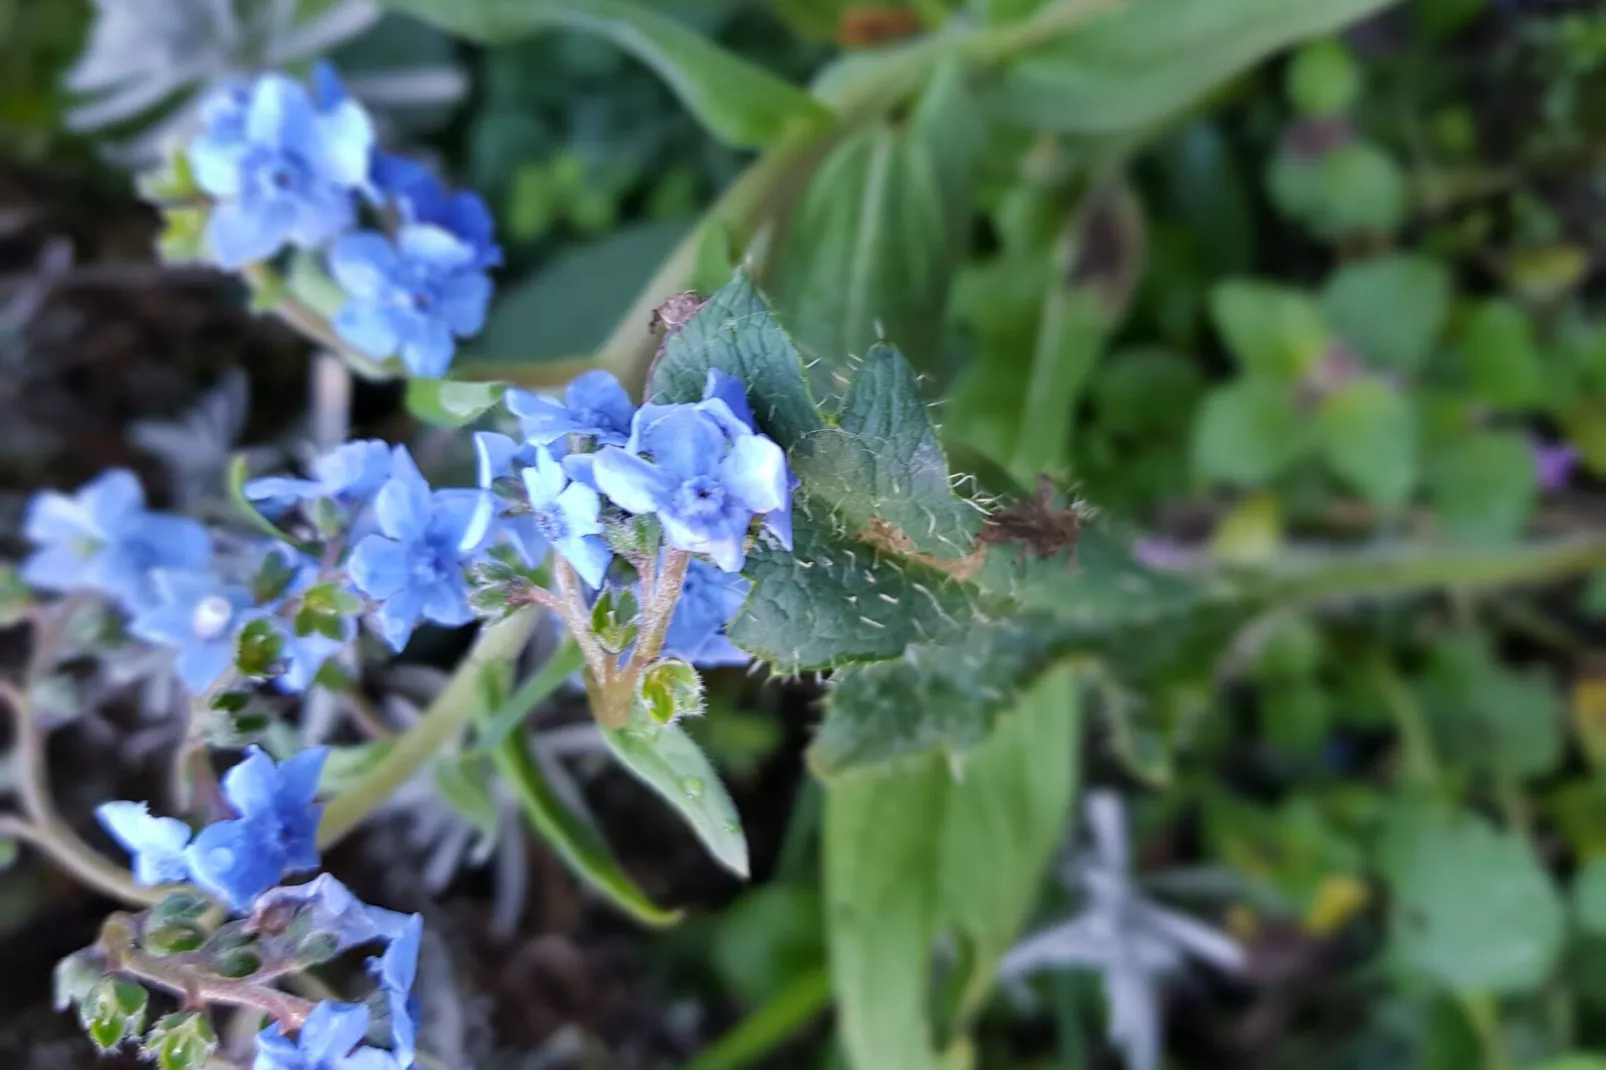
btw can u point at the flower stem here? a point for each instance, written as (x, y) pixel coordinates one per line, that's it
(446, 716)
(659, 611)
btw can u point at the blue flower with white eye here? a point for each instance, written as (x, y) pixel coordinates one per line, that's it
(201, 617)
(328, 1040)
(703, 472)
(594, 405)
(414, 568)
(281, 168)
(565, 513)
(709, 599)
(419, 197)
(396, 969)
(104, 539)
(411, 299)
(275, 833)
(348, 475)
(155, 843)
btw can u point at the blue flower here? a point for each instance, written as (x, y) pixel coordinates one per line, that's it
(709, 599)
(281, 168)
(324, 905)
(302, 656)
(494, 456)
(275, 833)
(396, 969)
(200, 616)
(566, 513)
(419, 197)
(104, 539)
(593, 404)
(326, 1042)
(348, 475)
(410, 299)
(156, 843)
(415, 567)
(733, 392)
(702, 471)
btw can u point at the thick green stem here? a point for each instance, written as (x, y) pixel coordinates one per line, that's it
(446, 716)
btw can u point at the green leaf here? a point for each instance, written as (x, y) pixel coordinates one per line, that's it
(1272, 330)
(237, 475)
(574, 841)
(1502, 356)
(1367, 431)
(916, 852)
(1248, 432)
(75, 977)
(739, 103)
(449, 403)
(1147, 60)
(873, 246)
(670, 690)
(464, 785)
(1471, 907)
(113, 1011)
(568, 307)
(1391, 308)
(1487, 716)
(182, 1041)
(1589, 896)
(1483, 486)
(664, 758)
(1323, 79)
(780, 1019)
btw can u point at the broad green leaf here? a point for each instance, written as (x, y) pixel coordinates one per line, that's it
(1483, 486)
(464, 784)
(664, 758)
(872, 248)
(1502, 356)
(1324, 79)
(1391, 309)
(1367, 430)
(1471, 905)
(1147, 60)
(449, 403)
(1589, 896)
(738, 102)
(769, 935)
(1271, 330)
(567, 308)
(1248, 432)
(1487, 716)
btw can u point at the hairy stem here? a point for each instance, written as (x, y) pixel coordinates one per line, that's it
(446, 716)
(658, 612)
(571, 606)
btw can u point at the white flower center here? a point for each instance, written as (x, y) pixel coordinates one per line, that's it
(212, 616)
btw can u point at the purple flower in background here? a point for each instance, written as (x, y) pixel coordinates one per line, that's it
(414, 567)
(411, 299)
(419, 197)
(156, 844)
(275, 833)
(282, 168)
(1553, 464)
(594, 405)
(348, 475)
(709, 599)
(327, 1041)
(199, 616)
(104, 539)
(1163, 554)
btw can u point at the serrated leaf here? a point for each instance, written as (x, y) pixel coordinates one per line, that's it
(1149, 59)
(1368, 434)
(738, 102)
(1248, 432)
(664, 758)
(450, 403)
(1391, 309)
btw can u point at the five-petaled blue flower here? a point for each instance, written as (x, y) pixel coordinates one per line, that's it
(709, 599)
(328, 1040)
(419, 197)
(275, 833)
(594, 404)
(283, 168)
(415, 567)
(396, 969)
(104, 539)
(200, 616)
(156, 843)
(411, 299)
(703, 471)
(495, 455)
(565, 513)
(348, 475)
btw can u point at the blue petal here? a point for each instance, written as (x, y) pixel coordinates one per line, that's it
(633, 484)
(280, 113)
(679, 438)
(274, 494)
(345, 137)
(580, 505)
(200, 664)
(755, 471)
(589, 555)
(54, 568)
(463, 301)
(156, 843)
(493, 455)
(446, 603)
(427, 351)
(251, 784)
(582, 468)
(598, 393)
(175, 542)
(545, 479)
(403, 503)
(332, 1030)
(379, 566)
(435, 246)
(235, 861)
(397, 617)
(732, 392)
(298, 778)
(356, 470)
(369, 328)
(364, 265)
(215, 162)
(238, 237)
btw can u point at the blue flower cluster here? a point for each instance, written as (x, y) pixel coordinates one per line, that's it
(240, 862)
(287, 166)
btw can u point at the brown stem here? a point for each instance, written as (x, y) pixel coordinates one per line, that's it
(577, 618)
(658, 612)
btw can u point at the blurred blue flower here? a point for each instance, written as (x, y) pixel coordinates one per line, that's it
(411, 299)
(709, 599)
(200, 616)
(324, 905)
(327, 1041)
(419, 197)
(566, 514)
(593, 404)
(396, 969)
(702, 471)
(302, 656)
(275, 834)
(348, 475)
(415, 567)
(156, 843)
(495, 455)
(282, 169)
(104, 539)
